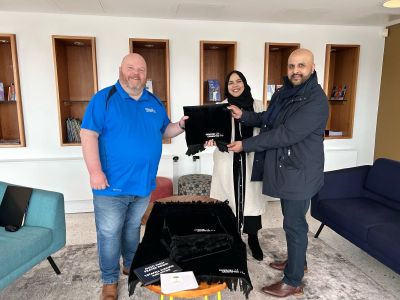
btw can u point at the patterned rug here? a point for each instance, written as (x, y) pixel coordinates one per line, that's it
(330, 276)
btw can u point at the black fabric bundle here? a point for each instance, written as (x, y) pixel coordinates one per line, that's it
(207, 122)
(217, 266)
(203, 235)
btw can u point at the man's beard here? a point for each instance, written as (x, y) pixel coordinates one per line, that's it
(302, 79)
(135, 87)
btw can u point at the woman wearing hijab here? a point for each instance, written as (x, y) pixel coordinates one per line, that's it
(232, 171)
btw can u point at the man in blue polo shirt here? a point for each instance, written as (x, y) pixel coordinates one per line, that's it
(121, 136)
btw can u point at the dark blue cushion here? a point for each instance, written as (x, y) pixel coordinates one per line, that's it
(357, 215)
(383, 179)
(385, 239)
(381, 199)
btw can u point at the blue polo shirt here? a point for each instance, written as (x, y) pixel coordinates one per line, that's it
(130, 139)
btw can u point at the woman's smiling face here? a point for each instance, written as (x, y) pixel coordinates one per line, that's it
(235, 85)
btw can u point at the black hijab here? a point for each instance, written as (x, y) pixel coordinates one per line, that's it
(244, 101)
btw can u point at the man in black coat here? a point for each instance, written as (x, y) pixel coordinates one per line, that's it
(289, 158)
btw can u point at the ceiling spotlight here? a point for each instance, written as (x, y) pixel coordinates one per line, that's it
(149, 45)
(4, 41)
(392, 4)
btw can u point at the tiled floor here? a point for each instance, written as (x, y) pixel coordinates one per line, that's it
(81, 230)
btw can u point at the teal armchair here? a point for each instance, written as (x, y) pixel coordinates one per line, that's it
(42, 234)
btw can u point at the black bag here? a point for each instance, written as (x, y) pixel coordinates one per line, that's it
(195, 236)
(14, 205)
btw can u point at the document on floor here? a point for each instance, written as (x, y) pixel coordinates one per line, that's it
(150, 273)
(179, 281)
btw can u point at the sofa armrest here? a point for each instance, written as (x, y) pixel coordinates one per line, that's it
(46, 209)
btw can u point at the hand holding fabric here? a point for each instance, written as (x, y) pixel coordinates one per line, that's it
(235, 146)
(236, 112)
(209, 143)
(181, 122)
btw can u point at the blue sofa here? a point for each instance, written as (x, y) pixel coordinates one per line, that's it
(42, 234)
(362, 204)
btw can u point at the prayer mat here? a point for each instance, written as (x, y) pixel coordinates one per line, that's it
(202, 235)
(226, 263)
(207, 122)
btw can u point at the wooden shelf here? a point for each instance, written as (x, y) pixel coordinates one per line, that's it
(217, 59)
(11, 118)
(275, 64)
(341, 69)
(76, 78)
(156, 54)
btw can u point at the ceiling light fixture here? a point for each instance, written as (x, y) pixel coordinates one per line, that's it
(392, 4)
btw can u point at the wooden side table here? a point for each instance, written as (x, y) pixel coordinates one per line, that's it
(204, 289)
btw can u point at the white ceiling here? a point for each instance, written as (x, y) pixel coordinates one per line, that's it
(339, 12)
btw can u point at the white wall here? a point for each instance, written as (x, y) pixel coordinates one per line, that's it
(44, 163)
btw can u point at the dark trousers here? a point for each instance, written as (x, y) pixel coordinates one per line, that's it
(296, 229)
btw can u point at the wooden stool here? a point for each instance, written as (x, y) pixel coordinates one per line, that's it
(204, 290)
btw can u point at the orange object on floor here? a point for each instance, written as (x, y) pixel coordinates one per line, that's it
(164, 188)
(204, 290)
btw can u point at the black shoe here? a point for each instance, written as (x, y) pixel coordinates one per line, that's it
(255, 247)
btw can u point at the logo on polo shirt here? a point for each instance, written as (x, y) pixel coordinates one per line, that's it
(150, 110)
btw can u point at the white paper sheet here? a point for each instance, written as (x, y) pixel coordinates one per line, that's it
(179, 281)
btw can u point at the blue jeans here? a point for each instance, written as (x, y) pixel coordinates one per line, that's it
(118, 232)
